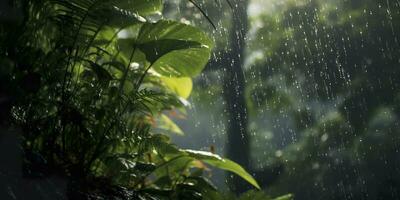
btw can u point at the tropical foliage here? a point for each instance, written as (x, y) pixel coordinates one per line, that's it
(89, 83)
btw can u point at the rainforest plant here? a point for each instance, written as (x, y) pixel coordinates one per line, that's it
(89, 80)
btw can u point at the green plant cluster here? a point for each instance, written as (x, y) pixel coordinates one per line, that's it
(88, 81)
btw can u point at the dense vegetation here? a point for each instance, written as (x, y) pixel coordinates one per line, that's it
(88, 84)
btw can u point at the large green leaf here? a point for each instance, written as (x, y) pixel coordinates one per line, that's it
(165, 29)
(222, 163)
(212, 159)
(165, 123)
(186, 62)
(180, 86)
(174, 49)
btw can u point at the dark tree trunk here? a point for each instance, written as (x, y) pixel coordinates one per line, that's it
(238, 141)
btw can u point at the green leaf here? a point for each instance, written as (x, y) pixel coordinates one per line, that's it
(165, 29)
(105, 36)
(158, 48)
(222, 163)
(126, 47)
(101, 73)
(187, 62)
(167, 124)
(180, 86)
(285, 197)
(115, 64)
(162, 144)
(118, 164)
(174, 49)
(174, 166)
(145, 167)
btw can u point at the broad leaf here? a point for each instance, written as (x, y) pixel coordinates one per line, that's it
(174, 49)
(101, 73)
(167, 124)
(222, 163)
(180, 86)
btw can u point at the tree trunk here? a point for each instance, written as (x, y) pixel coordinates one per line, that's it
(238, 141)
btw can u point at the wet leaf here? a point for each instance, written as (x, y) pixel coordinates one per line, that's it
(174, 49)
(222, 163)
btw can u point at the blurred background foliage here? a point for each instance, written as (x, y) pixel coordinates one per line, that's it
(322, 96)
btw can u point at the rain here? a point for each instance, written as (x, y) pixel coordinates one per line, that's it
(200, 99)
(321, 94)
